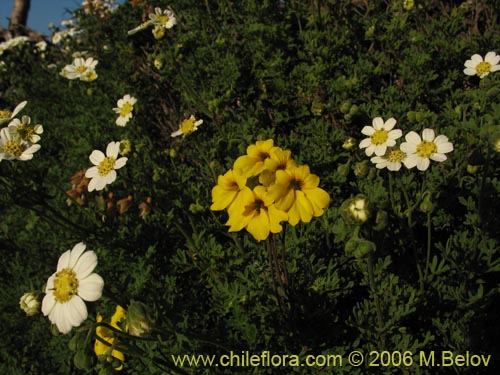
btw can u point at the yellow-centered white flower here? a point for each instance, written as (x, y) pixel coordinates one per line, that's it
(13, 148)
(392, 160)
(83, 69)
(104, 170)
(73, 283)
(477, 66)
(420, 150)
(24, 130)
(124, 108)
(187, 126)
(381, 135)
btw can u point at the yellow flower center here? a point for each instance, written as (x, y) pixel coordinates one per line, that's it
(162, 19)
(81, 69)
(187, 126)
(13, 148)
(482, 68)
(126, 109)
(296, 184)
(25, 131)
(426, 149)
(380, 137)
(65, 285)
(257, 205)
(5, 113)
(396, 156)
(106, 166)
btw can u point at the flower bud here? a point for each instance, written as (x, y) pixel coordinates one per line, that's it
(349, 143)
(158, 32)
(29, 304)
(381, 220)
(343, 169)
(139, 319)
(496, 145)
(84, 359)
(158, 63)
(426, 206)
(364, 248)
(357, 209)
(362, 168)
(125, 147)
(345, 107)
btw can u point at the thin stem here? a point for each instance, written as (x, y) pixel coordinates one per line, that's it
(429, 238)
(380, 317)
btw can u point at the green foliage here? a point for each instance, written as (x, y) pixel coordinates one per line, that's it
(308, 74)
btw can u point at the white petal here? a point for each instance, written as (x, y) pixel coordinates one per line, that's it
(368, 130)
(112, 149)
(408, 148)
(378, 123)
(428, 135)
(48, 303)
(370, 150)
(62, 318)
(411, 161)
(476, 59)
(120, 162)
(92, 172)
(390, 123)
(64, 260)
(492, 58)
(438, 157)
(395, 134)
(76, 253)
(413, 137)
(76, 311)
(18, 108)
(423, 164)
(110, 177)
(85, 265)
(90, 288)
(96, 157)
(92, 184)
(176, 133)
(495, 68)
(470, 64)
(380, 150)
(365, 143)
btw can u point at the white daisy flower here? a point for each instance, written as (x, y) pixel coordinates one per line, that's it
(13, 148)
(103, 172)
(125, 106)
(392, 160)
(6, 115)
(477, 66)
(165, 18)
(80, 69)
(187, 127)
(24, 130)
(71, 285)
(381, 136)
(421, 150)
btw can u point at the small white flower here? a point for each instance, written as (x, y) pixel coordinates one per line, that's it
(125, 106)
(421, 150)
(24, 130)
(392, 160)
(83, 69)
(71, 285)
(29, 303)
(58, 36)
(187, 127)
(477, 66)
(103, 172)
(380, 135)
(13, 148)
(6, 115)
(165, 18)
(359, 209)
(41, 46)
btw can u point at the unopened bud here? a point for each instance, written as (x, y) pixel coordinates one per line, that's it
(362, 168)
(29, 304)
(158, 32)
(139, 319)
(349, 143)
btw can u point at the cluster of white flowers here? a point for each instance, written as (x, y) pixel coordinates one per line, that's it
(417, 151)
(161, 20)
(18, 140)
(82, 69)
(65, 34)
(8, 44)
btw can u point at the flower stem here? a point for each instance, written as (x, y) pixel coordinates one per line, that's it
(378, 306)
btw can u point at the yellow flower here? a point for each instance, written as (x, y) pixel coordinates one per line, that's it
(260, 216)
(100, 348)
(296, 192)
(279, 159)
(230, 192)
(253, 162)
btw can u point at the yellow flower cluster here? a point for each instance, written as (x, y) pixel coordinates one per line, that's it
(266, 187)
